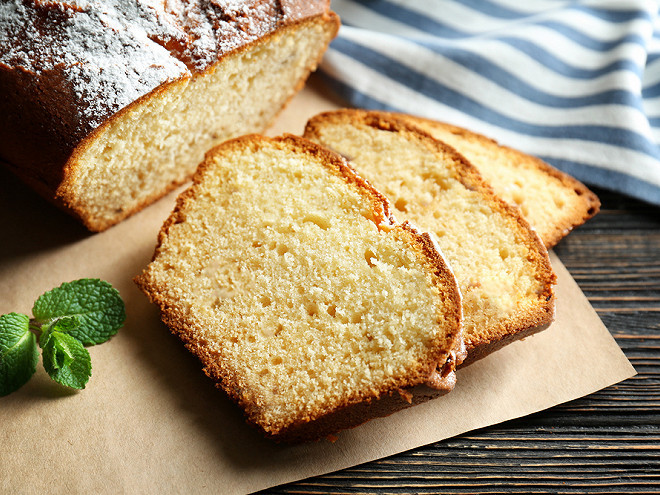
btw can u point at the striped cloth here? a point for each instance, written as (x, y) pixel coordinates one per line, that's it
(575, 83)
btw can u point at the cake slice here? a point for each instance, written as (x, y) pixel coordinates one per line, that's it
(554, 203)
(283, 271)
(501, 265)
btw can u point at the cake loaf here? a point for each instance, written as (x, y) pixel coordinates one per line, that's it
(501, 265)
(283, 271)
(106, 105)
(554, 203)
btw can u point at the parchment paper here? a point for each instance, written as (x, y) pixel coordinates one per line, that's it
(149, 421)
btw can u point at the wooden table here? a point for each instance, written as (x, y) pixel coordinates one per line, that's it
(606, 442)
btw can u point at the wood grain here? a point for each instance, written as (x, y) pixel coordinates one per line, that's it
(607, 442)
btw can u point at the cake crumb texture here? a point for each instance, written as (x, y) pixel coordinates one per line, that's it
(554, 203)
(282, 270)
(501, 265)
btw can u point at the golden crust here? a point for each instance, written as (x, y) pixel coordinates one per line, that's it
(421, 383)
(585, 207)
(517, 326)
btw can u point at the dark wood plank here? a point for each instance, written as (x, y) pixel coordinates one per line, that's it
(607, 442)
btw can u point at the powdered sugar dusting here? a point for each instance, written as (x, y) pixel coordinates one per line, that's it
(217, 27)
(90, 51)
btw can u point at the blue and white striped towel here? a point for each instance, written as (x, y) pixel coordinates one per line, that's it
(575, 83)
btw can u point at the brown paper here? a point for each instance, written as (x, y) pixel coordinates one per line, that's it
(149, 421)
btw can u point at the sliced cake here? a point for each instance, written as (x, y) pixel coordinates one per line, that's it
(554, 203)
(105, 106)
(283, 271)
(501, 265)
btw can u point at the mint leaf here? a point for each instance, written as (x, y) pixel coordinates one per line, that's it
(66, 360)
(65, 324)
(97, 305)
(18, 352)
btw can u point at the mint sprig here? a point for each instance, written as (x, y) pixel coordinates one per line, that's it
(75, 314)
